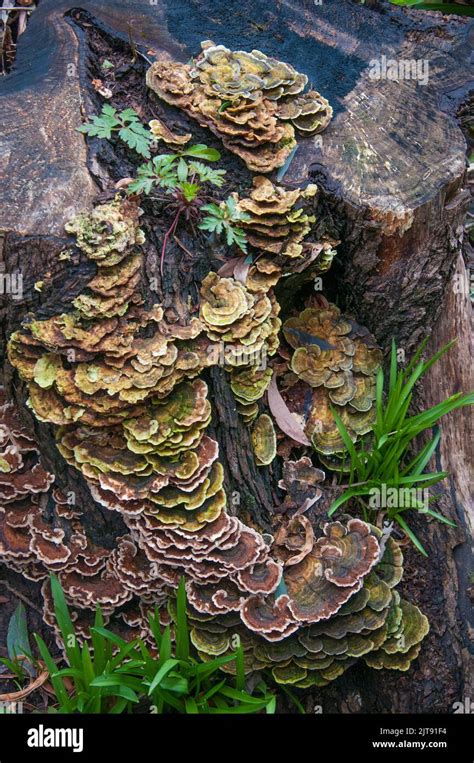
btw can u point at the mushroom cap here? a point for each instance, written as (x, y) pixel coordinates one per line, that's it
(161, 132)
(332, 572)
(264, 440)
(224, 301)
(109, 231)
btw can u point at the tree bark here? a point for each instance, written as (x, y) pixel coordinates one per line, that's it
(391, 171)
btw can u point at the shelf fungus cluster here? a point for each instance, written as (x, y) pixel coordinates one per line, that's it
(241, 313)
(98, 364)
(276, 221)
(308, 607)
(336, 603)
(243, 326)
(252, 102)
(333, 365)
(125, 393)
(42, 532)
(23, 483)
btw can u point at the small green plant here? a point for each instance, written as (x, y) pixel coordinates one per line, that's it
(111, 675)
(224, 218)
(17, 669)
(179, 681)
(126, 124)
(19, 662)
(171, 171)
(387, 460)
(182, 175)
(437, 5)
(73, 685)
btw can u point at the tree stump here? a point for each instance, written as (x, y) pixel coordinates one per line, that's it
(391, 169)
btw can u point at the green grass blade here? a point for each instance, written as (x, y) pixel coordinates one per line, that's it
(424, 456)
(168, 665)
(393, 367)
(64, 622)
(439, 517)
(240, 670)
(191, 706)
(182, 630)
(57, 683)
(410, 533)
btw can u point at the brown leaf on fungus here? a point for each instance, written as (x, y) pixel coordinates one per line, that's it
(283, 416)
(301, 482)
(293, 540)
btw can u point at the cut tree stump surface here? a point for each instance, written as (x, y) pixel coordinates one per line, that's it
(391, 147)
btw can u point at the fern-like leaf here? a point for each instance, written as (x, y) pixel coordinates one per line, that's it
(208, 174)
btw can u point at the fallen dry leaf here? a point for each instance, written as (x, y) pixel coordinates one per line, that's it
(283, 416)
(241, 269)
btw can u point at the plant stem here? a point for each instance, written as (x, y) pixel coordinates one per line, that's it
(168, 233)
(21, 596)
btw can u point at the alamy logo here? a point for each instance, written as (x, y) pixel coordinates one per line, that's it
(47, 737)
(385, 497)
(12, 284)
(466, 706)
(400, 69)
(11, 708)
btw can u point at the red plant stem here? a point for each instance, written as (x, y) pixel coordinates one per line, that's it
(168, 233)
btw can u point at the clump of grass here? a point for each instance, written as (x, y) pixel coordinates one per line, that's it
(387, 458)
(112, 675)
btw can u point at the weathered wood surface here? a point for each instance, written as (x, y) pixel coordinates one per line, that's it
(391, 168)
(455, 455)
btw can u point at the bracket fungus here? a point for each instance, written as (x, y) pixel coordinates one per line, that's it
(276, 221)
(251, 101)
(247, 323)
(331, 613)
(248, 385)
(124, 390)
(336, 362)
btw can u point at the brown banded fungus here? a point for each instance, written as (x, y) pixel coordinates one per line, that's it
(277, 220)
(248, 386)
(251, 101)
(336, 362)
(368, 619)
(246, 323)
